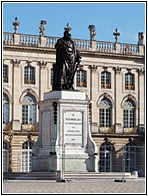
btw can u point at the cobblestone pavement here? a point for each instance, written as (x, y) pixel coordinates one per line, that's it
(77, 187)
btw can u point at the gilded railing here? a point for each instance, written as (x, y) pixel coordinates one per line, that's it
(7, 126)
(131, 130)
(129, 87)
(105, 85)
(29, 127)
(81, 84)
(106, 129)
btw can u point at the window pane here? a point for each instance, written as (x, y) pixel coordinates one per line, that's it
(26, 156)
(29, 75)
(105, 113)
(105, 79)
(5, 73)
(81, 78)
(5, 113)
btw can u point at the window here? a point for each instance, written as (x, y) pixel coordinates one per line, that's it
(106, 154)
(81, 78)
(5, 109)
(130, 160)
(26, 156)
(29, 75)
(5, 73)
(105, 111)
(105, 79)
(5, 156)
(129, 114)
(29, 110)
(129, 81)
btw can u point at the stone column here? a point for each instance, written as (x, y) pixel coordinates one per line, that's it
(15, 95)
(93, 95)
(118, 92)
(141, 101)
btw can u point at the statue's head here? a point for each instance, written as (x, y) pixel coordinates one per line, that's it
(67, 35)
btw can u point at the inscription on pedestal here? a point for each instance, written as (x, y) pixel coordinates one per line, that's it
(73, 128)
(46, 127)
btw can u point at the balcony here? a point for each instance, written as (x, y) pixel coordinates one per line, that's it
(29, 127)
(129, 87)
(106, 86)
(106, 129)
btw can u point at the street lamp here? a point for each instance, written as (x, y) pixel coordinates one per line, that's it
(10, 135)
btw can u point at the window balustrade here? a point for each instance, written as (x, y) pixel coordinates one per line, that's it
(81, 84)
(129, 87)
(29, 81)
(5, 79)
(29, 127)
(106, 86)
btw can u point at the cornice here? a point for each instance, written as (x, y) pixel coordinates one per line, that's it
(91, 54)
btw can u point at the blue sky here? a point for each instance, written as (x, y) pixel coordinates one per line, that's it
(129, 18)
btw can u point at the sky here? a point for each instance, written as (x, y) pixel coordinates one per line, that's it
(129, 18)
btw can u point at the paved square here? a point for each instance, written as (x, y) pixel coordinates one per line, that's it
(52, 187)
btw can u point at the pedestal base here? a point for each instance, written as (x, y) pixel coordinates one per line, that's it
(64, 141)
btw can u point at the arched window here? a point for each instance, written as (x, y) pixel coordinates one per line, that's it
(5, 109)
(105, 111)
(105, 79)
(5, 73)
(129, 114)
(5, 156)
(130, 157)
(106, 157)
(81, 78)
(26, 156)
(29, 75)
(129, 81)
(29, 110)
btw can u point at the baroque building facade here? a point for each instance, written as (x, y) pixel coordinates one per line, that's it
(112, 76)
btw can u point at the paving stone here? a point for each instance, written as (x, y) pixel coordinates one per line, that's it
(50, 187)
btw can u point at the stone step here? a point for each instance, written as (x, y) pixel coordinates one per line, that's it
(30, 176)
(68, 175)
(93, 175)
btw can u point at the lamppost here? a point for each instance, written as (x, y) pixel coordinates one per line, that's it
(10, 135)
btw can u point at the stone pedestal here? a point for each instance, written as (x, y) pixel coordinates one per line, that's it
(64, 141)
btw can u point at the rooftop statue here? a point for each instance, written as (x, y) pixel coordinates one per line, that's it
(67, 62)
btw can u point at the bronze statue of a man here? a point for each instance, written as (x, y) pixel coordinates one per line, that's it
(67, 62)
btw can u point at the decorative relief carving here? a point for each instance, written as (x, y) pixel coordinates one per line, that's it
(129, 70)
(117, 70)
(43, 64)
(105, 68)
(141, 71)
(29, 63)
(16, 62)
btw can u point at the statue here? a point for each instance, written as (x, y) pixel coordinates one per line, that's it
(67, 62)
(140, 38)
